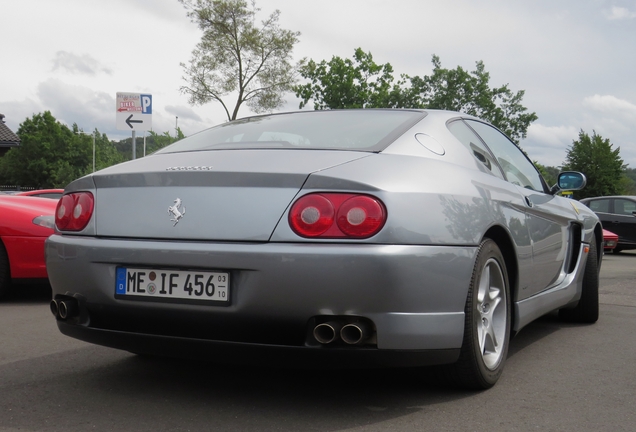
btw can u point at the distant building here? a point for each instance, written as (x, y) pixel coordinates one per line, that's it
(7, 138)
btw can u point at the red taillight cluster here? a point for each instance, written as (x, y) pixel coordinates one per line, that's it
(73, 211)
(337, 215)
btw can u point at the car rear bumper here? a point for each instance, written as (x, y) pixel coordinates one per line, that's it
(263, 354)
(414, 296)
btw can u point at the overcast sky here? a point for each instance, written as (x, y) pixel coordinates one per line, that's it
(576, 59)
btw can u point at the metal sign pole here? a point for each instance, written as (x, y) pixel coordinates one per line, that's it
(93, 151)
(134, 145)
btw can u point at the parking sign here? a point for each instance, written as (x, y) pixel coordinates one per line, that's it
(134, 111)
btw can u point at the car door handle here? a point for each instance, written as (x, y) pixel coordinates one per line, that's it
(528, 202)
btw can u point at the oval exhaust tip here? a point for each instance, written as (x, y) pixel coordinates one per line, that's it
(54, 308)
(326, 332)
(355, 333)
(67, 308)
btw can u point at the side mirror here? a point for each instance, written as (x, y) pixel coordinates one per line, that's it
(569, 180)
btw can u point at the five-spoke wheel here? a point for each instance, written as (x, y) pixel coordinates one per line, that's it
(487, 322)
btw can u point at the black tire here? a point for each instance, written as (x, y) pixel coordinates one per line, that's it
(617, 250)
(586, 311)
(5, 271)
(487, 322)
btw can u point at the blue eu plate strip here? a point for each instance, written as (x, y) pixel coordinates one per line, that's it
(121, 281)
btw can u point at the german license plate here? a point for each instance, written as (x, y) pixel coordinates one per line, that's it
(173, 284)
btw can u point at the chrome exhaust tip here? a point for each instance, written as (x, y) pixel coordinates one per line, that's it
(67, 308)
(327, 332)
(354, 333)
(55, 308)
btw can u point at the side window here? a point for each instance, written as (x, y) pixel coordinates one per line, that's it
(474, 144)
(601, 205)
(624, 207)
(516, 166)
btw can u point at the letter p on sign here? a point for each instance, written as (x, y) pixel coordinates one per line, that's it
(146, 104)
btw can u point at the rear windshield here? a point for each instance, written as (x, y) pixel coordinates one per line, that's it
(362, 130)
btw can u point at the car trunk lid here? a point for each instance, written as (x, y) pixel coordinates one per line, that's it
(223, 195)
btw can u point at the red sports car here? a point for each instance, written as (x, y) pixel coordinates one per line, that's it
(43, 193)
(610, 240)
(24, 225)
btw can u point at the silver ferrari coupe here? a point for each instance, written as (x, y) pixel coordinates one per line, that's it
(336, 238)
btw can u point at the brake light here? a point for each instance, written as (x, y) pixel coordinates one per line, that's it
(74, 211)
(337, 215)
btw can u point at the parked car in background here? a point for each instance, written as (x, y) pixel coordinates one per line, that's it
(618, 215)
(43, 193)
(339, 237)
(25, 223)
(610, 240)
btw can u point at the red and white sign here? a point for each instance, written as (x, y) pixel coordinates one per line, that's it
(134, 111)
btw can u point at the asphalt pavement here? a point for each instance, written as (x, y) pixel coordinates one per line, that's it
(559, 377)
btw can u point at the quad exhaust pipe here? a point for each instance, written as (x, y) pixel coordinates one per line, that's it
(55, 307)
(327, 332)
(354, 333)
(351, 333)
(64, 308)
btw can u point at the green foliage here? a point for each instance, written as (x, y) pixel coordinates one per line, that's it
(603, 166)
(629, 181)
(105, 152)
(361, 83)
(154, 142)
(346, 83)
(470, 93)
(549, 173)
(50, 155)
(237, 55)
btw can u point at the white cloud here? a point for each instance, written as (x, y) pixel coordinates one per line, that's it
(612, 105)
(183, 112)
(79, 64)
(17, 112)
(77, 104)
(137, 45)
(90, 109)
(548, 144)
(552, 136)
(619, 13)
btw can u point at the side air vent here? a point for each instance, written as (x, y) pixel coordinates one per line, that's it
(574, 248)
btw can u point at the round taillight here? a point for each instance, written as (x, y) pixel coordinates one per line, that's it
(82, 211)
(337, 215)
(74, 211)
(360, 216)
(311, 215)
(63, 211)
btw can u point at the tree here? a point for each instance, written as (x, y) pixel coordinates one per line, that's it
(603, 166)
(630, 181)
(49, 155)
(105, 152)
(236, 55)
(549, 173)
(346, 83)
(361, 83)
(470, 93)
(154, 142)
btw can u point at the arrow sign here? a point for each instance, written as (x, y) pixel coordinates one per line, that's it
(129, 121)
(133, 111)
